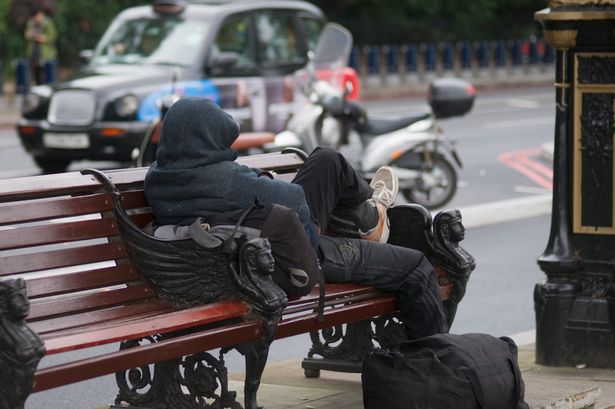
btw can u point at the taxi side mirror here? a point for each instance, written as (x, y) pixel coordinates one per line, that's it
(85, 56)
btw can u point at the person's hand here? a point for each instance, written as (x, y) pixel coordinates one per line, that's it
(263, 173)
(41, 38)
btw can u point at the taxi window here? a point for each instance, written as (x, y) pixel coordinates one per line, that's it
(153, 41)
(312, 27)
(234, 36)
(278, 42)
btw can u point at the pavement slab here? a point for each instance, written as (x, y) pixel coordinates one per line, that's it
(565, 387)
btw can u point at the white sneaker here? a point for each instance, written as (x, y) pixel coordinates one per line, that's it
(386, 186)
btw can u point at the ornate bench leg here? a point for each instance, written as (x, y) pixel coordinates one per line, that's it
(344, 351)
(256, 354)
(198, 381)
(21, 349)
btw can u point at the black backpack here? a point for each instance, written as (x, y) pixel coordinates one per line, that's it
(471, 371)
(296, 263)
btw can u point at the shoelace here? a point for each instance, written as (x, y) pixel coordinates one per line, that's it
(382, 193)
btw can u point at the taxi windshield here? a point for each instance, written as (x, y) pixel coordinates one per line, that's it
(171, 41)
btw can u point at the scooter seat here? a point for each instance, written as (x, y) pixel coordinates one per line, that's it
(381, 126)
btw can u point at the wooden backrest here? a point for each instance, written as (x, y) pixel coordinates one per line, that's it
(59, 233)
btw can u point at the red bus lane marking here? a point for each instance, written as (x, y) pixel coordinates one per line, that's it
(524, 162)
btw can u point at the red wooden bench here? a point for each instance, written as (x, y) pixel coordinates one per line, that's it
(60, 234)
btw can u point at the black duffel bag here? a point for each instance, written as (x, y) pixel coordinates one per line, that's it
(471, 371)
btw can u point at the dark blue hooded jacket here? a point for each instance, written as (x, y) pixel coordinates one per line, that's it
(195, 173)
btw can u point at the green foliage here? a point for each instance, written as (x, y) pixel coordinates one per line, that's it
(10, 40)
(80, 24)
(416, 21)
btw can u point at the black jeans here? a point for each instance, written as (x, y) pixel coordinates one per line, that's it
(331, 183)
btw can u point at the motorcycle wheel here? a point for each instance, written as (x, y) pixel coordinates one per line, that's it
(436, 186)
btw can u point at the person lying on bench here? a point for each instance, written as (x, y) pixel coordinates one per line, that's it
(195, 176)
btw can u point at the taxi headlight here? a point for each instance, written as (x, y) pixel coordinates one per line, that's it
(30, 103)
(34, 99)
(126, 106)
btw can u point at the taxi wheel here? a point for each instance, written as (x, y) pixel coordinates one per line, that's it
(50, 165)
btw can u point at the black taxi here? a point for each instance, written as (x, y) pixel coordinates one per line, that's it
(241, 54)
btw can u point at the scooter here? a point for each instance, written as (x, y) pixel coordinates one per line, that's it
(414, 146)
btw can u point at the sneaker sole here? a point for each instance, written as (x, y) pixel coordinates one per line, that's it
(395, 181)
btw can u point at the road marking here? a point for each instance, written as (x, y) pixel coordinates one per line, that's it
(523, 162)
(543, 120)
(486, 214)
(522, 103)
(531, 190)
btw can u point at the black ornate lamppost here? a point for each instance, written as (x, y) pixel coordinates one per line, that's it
(575, 306)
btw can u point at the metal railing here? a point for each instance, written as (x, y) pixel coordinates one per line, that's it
(416, 61)
(423, 60)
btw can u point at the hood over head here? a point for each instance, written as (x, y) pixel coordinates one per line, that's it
(196, 132)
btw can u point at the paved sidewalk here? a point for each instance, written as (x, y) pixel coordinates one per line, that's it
(9, 111)
(285, 387)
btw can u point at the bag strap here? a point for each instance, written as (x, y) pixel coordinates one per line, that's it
(518, 380)
(229, 244)
(243, 216)
(321, 295)
(512, 360)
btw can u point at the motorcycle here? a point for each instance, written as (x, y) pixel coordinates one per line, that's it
(414, 146)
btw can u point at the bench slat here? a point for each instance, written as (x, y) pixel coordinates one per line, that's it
(272, 161)
(334, 290)
(44, 209)
(58, 233)
(113, 316)
(82, 280)
(45, 186)
(142, 219)
(25, 263)
(350, 313)
(174, 321)
(82, 303)
(75, 182)
(90, 368)
(133, 199)
(80, 322)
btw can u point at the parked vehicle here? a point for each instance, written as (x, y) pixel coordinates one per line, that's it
(238, 53)
(415, 146)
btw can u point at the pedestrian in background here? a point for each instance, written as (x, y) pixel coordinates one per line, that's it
(41, 49)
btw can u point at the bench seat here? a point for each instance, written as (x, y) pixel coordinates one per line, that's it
(60, 234)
